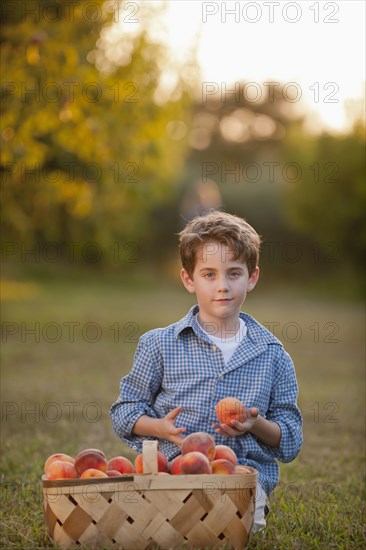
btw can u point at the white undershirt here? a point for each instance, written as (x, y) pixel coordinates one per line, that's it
(228, 344)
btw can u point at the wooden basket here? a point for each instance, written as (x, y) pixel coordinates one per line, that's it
(145, 511)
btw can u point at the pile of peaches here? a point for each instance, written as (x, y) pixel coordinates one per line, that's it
(199, 455)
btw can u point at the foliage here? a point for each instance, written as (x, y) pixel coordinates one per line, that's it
(90, 144)
(95, 148)
(256, 159)
(328, 202)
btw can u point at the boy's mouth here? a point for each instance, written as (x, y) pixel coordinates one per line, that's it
(224, 300)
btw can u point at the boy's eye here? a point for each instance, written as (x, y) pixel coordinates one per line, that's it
(209, 275)
(235, 274)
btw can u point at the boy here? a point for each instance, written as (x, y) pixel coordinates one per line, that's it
(180, 372)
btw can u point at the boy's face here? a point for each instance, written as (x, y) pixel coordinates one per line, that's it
(220, 284)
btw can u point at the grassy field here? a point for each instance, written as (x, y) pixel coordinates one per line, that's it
(66, 343)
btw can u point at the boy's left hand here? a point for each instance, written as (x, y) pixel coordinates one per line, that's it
(238, 428)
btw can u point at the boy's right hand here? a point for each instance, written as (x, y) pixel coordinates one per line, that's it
(168, 430)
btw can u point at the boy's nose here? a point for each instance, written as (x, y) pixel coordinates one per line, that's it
(222, 284)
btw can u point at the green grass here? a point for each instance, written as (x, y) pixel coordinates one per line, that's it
(53, 391)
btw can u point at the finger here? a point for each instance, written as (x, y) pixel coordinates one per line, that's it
(218, 430)
(224, 429)
(238, 425)
(174, 413)
(253, 412)
(227, 429)
(221, 427)
(178, 440)
(177, 431)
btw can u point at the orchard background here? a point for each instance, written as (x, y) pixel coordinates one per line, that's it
(107, 148)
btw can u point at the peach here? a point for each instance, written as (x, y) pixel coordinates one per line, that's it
(113, 473)
(240, 469)
(92, 472)
(58, 456)
(121, 464)
(162, 463)
(222, 466)
(97, 451)
(90, 458)
(225, 452)
(195, 462)
(60, 469)
(201, 442)
(229, 409)
(174, 466)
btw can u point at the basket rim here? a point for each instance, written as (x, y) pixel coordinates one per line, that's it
(153, 481)
(63, 482)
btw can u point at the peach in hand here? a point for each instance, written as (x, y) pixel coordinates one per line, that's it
(60, 469)
(121, 464)
(229, 409)
(201, 442)
(90, 458)
(195, 462)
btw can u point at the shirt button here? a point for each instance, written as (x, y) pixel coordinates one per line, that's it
(214, 348)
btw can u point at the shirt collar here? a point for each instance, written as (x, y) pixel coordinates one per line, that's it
(190, 321)
(257, 333)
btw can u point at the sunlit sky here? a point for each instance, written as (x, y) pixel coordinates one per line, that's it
(319, 46)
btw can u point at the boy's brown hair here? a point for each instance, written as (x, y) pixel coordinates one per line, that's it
(221, 228)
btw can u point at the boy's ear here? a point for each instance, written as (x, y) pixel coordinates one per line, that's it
(253, 279)
(186, 280)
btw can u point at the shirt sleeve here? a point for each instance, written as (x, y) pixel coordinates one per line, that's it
(138, 388)
(283, 409)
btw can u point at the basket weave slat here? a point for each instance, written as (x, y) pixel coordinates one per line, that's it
(168, 502)
(246, 507)
(144, 511)
(152, 525)
(94, 508)
(242, 499)
(50, 517)
(201, 534)
(61, 537)
(110, 522)
(76, 523)
(204, 499)
(236, 531)
(188, 515)
(62, 507)
(128, 537)
(140, 511)
(94, 538)
(221, 513)
(167, 537)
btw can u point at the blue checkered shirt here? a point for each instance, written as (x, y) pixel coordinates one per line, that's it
(179, 365)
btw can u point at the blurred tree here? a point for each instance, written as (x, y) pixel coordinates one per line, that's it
(91, 140)
(236, 143)
(328, 202)
(303, 193)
